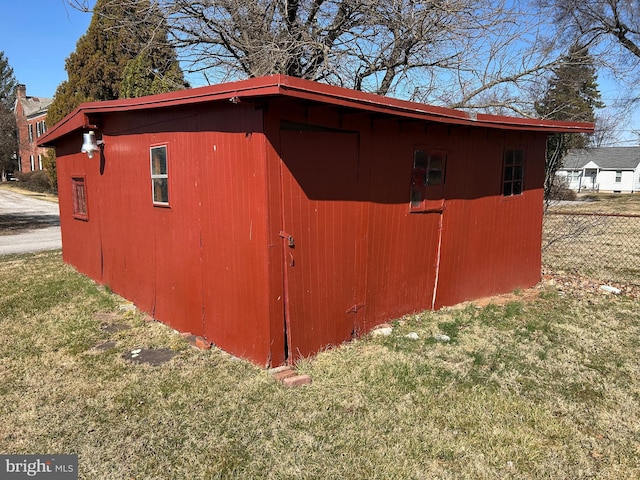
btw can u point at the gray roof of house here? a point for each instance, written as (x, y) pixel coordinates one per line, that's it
(605, 157)
(35, 105)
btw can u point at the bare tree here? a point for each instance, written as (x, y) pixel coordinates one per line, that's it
(478, 54)
(608, 122)
(598, 21)
(362, 44)
(611, 30)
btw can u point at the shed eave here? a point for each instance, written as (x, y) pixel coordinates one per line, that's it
(76, 120)
(295, 87)
(284, 86)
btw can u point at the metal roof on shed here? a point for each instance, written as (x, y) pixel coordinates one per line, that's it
(284, 86)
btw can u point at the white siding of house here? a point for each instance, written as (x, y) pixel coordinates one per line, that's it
(572, 180)
(562, 174)
(607, 181)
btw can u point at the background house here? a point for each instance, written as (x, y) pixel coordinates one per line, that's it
(31, 113)
(605, 169)
(277, 216)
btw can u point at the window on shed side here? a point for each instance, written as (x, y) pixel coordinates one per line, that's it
(79, 198)
(159, 175)
(428, 171)
(513, 176)
(618, 176)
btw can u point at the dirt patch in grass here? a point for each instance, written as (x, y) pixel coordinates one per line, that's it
(150, 356)
(114, 327)
(105, 346)
(532, 387)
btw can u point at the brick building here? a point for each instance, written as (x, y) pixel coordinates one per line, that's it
(31, 113)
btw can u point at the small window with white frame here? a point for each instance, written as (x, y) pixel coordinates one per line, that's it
(159, 175)
(618, 176)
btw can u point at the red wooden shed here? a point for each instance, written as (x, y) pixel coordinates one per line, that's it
(277, 216)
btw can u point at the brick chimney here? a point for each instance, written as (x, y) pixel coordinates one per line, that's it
(21, 91)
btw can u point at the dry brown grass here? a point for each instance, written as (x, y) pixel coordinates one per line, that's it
(597, 245)
(13, 187)
(619, 203)
(544, 388)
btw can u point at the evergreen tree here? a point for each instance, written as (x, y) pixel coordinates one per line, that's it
(8, 139)
(8, 82)
(141, 77)
(49, 165)
(124, 53)
(571, 95)
(137, 77)
(65, 100)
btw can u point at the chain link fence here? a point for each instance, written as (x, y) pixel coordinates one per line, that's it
(600, 246)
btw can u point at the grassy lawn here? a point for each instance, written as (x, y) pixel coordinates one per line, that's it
(621, 203)
(599, 246)
(16, 187)
(545, 385)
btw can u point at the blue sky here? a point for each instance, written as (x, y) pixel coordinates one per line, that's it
(36, 37)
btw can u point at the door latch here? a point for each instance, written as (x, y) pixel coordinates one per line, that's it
(288, 238)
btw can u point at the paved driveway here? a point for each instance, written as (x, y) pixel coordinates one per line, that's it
(28, 224)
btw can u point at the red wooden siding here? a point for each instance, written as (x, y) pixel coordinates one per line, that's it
(234, 248)
(324, 201)
(80, 239)
(491, 244)
(331, 170)
(199, 262)
(479, 242)
(213, 262)
(403, 246)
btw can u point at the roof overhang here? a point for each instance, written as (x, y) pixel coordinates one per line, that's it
(284, 86)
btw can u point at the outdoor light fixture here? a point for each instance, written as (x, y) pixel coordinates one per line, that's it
(89, 144)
